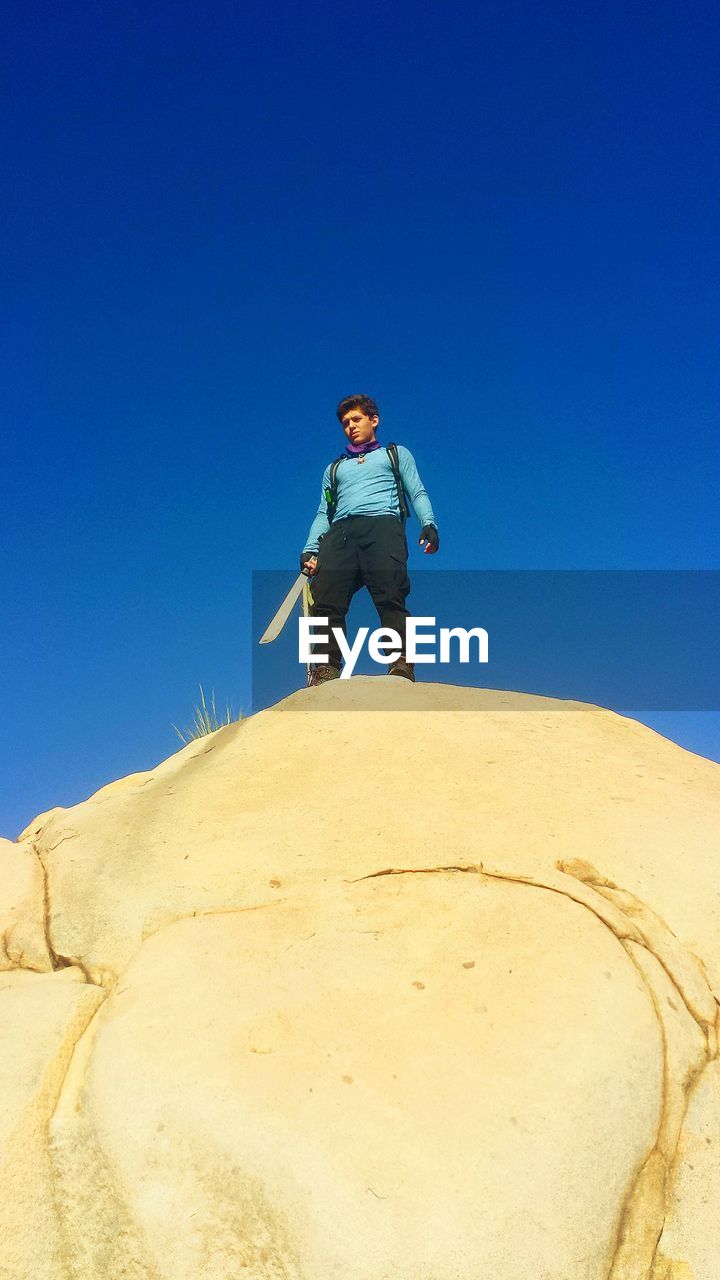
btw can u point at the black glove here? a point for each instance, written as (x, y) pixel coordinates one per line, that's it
(430, 534)
(305, 556)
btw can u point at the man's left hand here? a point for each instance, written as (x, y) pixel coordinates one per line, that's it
(430, 539)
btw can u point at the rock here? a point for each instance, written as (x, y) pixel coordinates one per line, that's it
(322, 1089)
(441, 1014)
(23, 943)
(512, 781)
(691, 1229)
(42, 1018)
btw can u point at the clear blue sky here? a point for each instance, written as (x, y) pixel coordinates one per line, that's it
(500, 219)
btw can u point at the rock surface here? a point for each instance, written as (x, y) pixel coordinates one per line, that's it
(42, 1017)
(389, 980)
(23, 943)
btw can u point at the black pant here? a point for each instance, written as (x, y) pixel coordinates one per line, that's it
(358, 551)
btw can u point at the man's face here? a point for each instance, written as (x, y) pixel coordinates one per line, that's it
(358, 428)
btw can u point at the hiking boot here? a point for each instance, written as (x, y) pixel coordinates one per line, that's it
(401, 667)
(321, 674)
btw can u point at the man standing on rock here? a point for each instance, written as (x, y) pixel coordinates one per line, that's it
(358, 535)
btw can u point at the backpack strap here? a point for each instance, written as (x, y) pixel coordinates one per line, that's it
(395, 464)
(331, 491)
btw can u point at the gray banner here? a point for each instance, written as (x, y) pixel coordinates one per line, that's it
(630, 640)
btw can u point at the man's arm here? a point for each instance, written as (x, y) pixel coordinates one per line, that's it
(415, 488)
(320, 524)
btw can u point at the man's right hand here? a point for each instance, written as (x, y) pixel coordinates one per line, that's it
(308, 563)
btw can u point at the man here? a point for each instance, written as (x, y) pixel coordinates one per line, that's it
(361, 540)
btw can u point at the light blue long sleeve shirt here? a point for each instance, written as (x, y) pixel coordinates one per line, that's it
(366, 487)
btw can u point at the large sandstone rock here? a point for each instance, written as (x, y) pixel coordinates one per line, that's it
(387, 981)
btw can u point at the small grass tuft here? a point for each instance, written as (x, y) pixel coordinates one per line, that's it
(206, 719)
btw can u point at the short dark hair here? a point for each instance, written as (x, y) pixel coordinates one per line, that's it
(367, 405)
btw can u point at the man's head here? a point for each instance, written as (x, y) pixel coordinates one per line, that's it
(359, 418)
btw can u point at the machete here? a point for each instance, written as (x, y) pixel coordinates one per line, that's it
(275, 626)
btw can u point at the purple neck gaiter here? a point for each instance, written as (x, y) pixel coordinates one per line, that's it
(354, 450)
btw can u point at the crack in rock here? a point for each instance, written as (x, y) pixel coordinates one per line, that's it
(58, 961)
